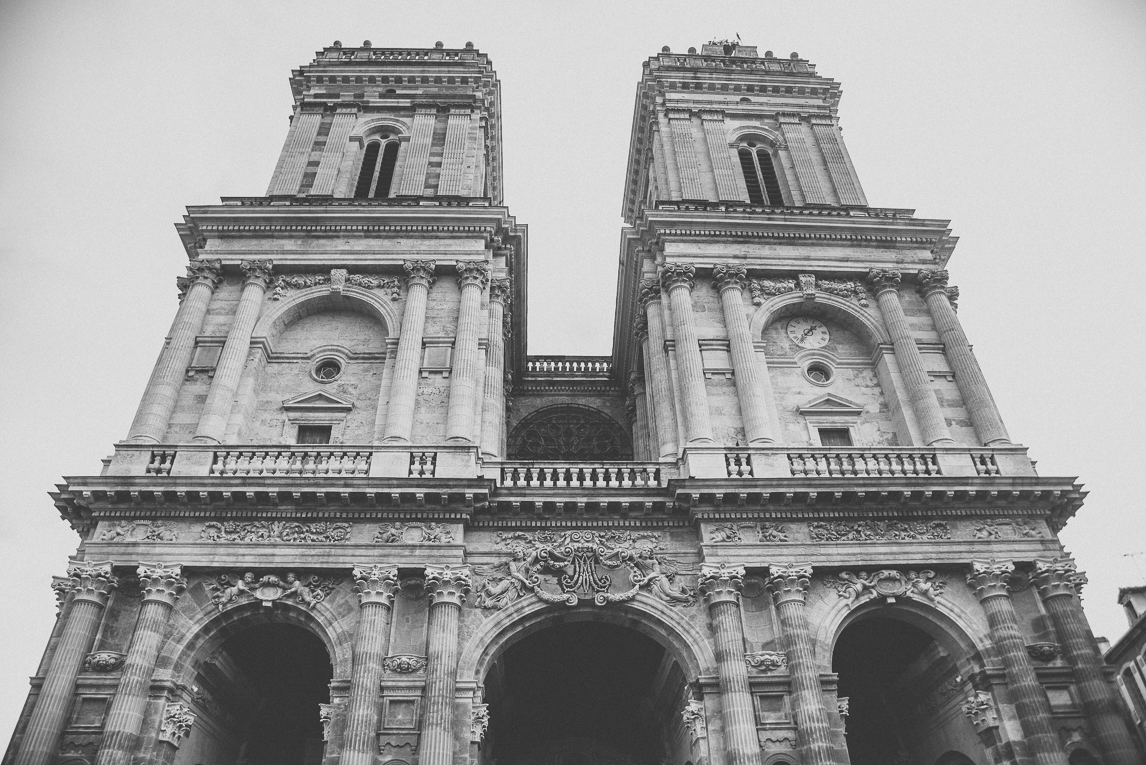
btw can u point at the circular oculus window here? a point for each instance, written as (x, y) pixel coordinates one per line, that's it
(821, 374)
(327, 370)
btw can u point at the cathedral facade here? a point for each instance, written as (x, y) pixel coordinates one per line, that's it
(355, 522)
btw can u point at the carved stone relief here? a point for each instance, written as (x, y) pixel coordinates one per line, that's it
(415, 532)
(887, 583)
(104, 661)
(479, 721)
(404, 663)
(176, 724)
(310, 591)
(275, 531)
(325, 716)
(578, 562)
(762, 289)
(693, 714)
(980, 710)
(766, 661)
(737, 533)
(860, 531)
(287, 282)
(1006, 528)
(1043, 652)
(568, 433)
(138, 531)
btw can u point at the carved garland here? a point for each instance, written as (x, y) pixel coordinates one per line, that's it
(275, 531)
(888, 584)
(311, 591)
(414, 533)
(337, 278)
(861, 531)
(762, 289)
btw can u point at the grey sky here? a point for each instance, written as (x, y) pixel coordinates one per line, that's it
(1021, 122)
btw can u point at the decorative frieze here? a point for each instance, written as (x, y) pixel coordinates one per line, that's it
(762, 289)
(888, 584)
(740, 533)
(939, 696)
(138, 531)
(404, 664)
(337, 278)
(766, 661)
(479, 721)
(414, 532)
(275, 531)
(103, 661)
(579, 562)
(267, 589)
(862, 531)
(176, 723)
(1006, 528)
(809, 284)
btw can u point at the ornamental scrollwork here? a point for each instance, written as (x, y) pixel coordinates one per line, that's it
(888, 584)
(104, 661)
(275, 531)
(139, 531)
(762, 289)
(325, 716)
(176, 723)
(285, 283)
(479, 721)
(568, 433)
(693, 715)
(1043, 652)
(766, 661)
(739, 533)
(863, 531)
(267, 589)
(809, 284)
(1006, 528)
(414, 532)
(404, 663)
(579, 562)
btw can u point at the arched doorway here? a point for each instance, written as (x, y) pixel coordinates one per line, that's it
(904, 691)
(585, 693)
(257, 696)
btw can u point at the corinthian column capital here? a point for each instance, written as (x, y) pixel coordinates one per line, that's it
(675, 275)
(931, 280)
(636, 384)
(727, 277)
(649, 292)
(499, 291)
(91, 581)
(722, 582)
(257, 271)
(448, 584)
(641, 328)
(420, 272)
(473, 272)
(789, 582)
(883, 279)
(991, 578)
(160, 582)
(376, 584)
(1058, 576)
(207, 271)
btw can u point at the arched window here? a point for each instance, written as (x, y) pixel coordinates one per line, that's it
(568, 432)
(760, 175)
(375, 177)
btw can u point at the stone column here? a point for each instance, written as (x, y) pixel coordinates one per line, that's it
(493, 413)
(1059, 582)
(990, 581)
(885, 284)
(91, 584)
(154, 413)
(789, 588)
(404, 386)
(730, 281)
(968, 376)
(721, 587)
(642, 449)
(375, 586)
(448, 587)
(678, 280)
(417, 157)
(161, 585)
(657, 368)
(221, 397)
(473, 276)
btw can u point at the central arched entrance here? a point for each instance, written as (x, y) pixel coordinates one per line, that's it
(585, 693)
(904, 689)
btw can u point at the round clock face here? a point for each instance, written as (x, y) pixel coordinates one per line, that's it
(807, 332)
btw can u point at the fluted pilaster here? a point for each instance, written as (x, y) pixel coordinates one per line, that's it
(968, 376)
(404, 386)
(991, 580)
(885, 284)
(221, 397)
(721, 585)
(161, 586)
(789, 587)
(493, 412)
(375, 586)
(637, 409)
(154, 413)
(657, 368)
(473, 276)
(448, 586)
(731, 280)
(1059, 581)
(678, 280)
(90, 585)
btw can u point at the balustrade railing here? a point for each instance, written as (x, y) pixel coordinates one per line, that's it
(423, 464)
(566, 366)
(544, 475)
(160, 463)
(293, 462)
(865, 463)
(985, 463)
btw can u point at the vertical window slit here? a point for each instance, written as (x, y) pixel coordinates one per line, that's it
(751, 180)
(366, 174)
(386, 173)
(771, 182)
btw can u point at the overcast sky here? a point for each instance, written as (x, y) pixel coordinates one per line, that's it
(1021, 122)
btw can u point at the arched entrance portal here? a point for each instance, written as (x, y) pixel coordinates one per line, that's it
(585, 693)
(257, 697)
(904, 693)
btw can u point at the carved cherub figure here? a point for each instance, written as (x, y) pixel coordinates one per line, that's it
(229, 591)
(500, 591)
(654, 573)
(300, 590)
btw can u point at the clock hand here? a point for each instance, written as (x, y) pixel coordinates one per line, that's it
(809, 332)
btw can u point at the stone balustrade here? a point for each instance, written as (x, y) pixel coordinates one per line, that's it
(602, 475)
(865, 463)
(293, 461)
(569, 366)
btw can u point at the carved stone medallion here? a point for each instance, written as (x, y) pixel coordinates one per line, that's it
(888, 584)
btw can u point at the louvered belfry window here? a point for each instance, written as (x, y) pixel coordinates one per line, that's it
(375, 177)
(760, 176)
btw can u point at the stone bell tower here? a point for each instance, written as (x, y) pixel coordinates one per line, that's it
(354, 523)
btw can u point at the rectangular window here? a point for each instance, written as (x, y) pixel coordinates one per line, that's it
(835, 437)
(314, 434)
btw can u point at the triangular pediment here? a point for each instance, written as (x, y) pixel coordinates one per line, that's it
(830, 403)
(318, 401)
